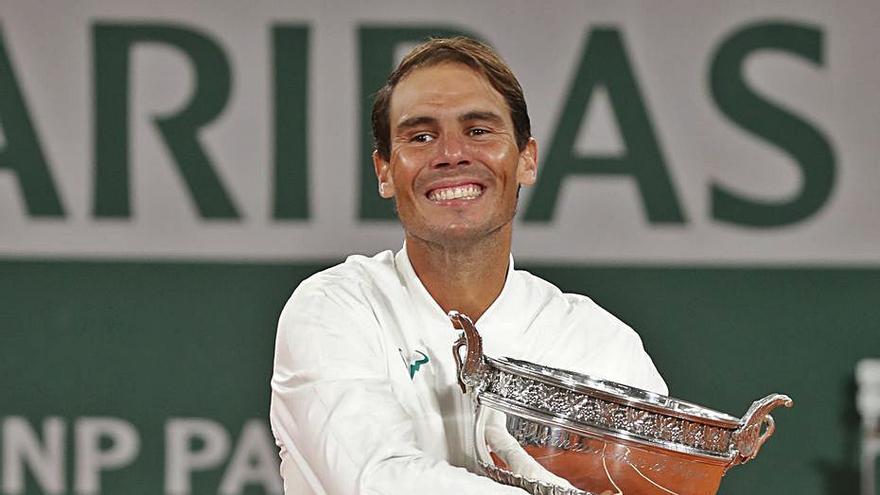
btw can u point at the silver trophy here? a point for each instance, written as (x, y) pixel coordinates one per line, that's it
(555, 432)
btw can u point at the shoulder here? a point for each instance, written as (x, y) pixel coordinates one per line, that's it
(356, 271)
(588, 338)
(352, 283)
(577, 308)
(342, 292)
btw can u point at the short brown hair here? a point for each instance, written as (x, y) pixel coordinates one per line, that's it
(472, 53)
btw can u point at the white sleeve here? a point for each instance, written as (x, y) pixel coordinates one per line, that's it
(334, 412)
(650, 378)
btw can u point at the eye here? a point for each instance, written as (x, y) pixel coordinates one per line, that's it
(422, 137)
(478, 131)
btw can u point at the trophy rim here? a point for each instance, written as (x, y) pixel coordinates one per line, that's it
(617, 392)
(618, 436)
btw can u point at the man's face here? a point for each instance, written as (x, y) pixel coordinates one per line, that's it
(454, 167)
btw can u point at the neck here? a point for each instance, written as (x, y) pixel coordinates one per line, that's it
(466, 278)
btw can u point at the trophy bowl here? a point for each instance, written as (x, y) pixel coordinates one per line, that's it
(556, 432)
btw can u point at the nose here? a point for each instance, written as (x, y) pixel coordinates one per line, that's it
(452, 150)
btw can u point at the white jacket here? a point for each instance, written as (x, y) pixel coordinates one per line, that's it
(364, 393)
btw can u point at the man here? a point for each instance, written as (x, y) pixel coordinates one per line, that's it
(364, 392)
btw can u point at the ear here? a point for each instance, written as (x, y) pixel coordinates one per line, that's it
(527, 168)
(383, 174)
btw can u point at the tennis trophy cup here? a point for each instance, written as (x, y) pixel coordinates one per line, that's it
(555, 432)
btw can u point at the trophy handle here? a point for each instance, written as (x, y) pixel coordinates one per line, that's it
(748, 439)
(468, 370)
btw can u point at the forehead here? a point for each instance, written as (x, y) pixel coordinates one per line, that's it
(448, 87)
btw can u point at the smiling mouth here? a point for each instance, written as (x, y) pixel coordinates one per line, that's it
(466, 192)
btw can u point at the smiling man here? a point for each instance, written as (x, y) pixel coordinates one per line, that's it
(364, 393)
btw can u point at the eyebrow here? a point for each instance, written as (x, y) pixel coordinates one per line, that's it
(421, 120)
(482, 115)
(416, 121)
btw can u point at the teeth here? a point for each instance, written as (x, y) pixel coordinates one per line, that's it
(469, 191)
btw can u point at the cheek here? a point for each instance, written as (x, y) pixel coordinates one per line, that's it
(503, 159)
(404, 166)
